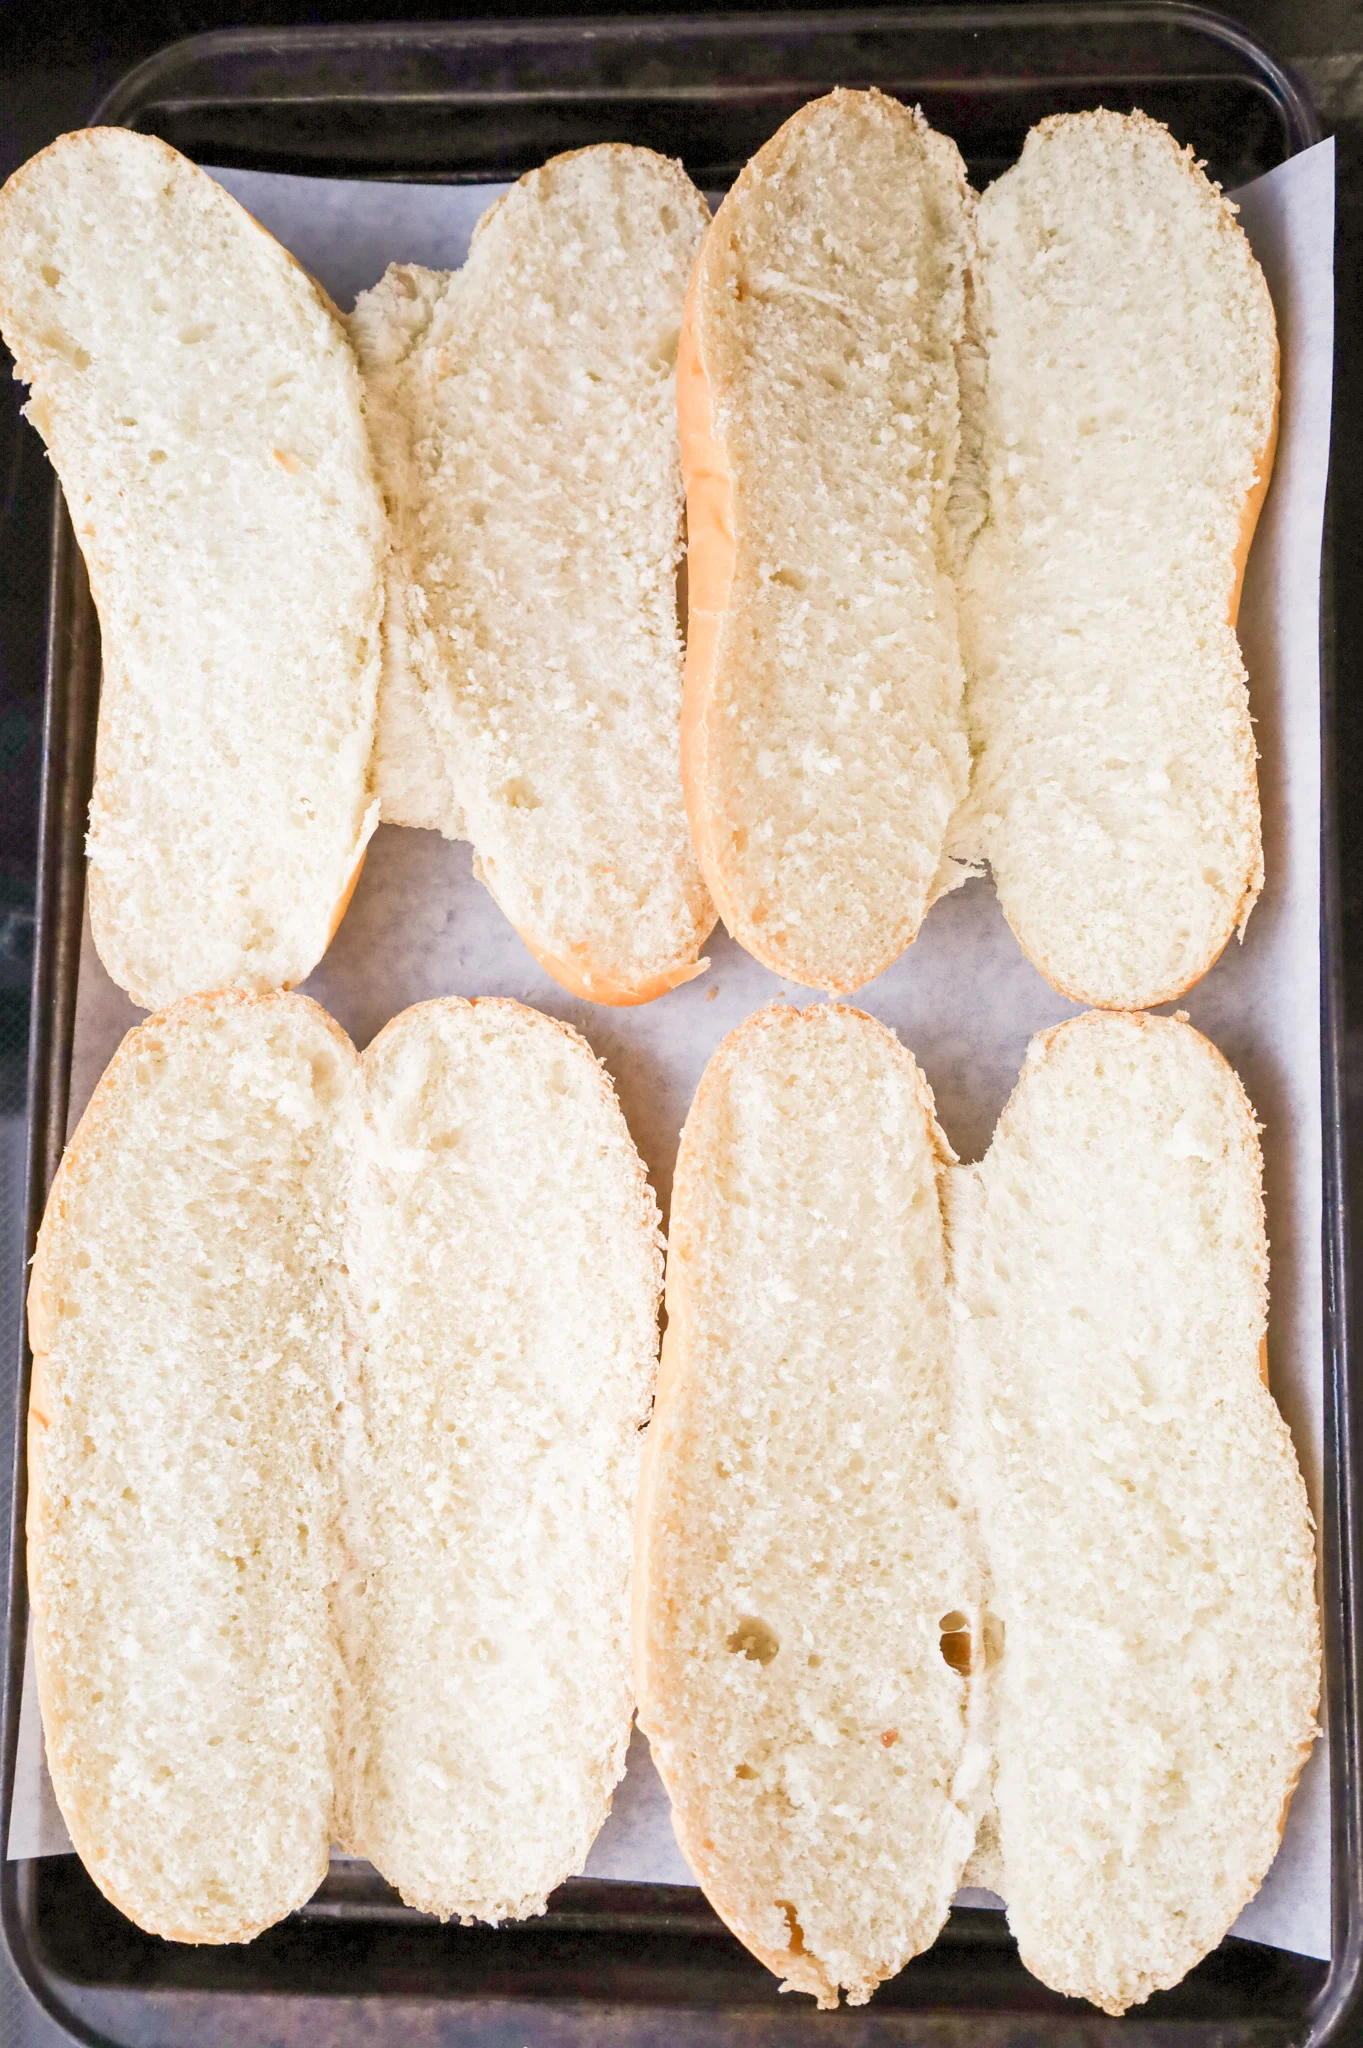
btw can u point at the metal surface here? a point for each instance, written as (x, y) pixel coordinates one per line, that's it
(617, 1963)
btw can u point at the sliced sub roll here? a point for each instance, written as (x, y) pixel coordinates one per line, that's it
(1146, 1528)
(1123, 440)
(190, 1319)
(801, 1546)
(524, 414)
(205, 414)
(823, 743)
(513, 1268)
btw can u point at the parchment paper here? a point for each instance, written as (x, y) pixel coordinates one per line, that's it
(963, 998)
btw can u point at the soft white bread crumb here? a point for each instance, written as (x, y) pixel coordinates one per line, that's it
(204, 414)
(801, 1544)
(523, 413)
(188, 1317)
(509, 1243)
(1125, 441)
(824, 740)
(1148, 1536)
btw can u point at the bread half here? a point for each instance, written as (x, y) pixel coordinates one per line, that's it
(523, 412)
(190, 1320)
(802, 1549)
(339, 1372)
(1148, 1538)
(513, 1266)
(204, 413)
(1125, 438)
(824, 746)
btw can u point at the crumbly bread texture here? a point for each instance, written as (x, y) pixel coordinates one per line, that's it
(339, 1372)
(824, 745)
(513, 1266)
(1123, 444)
(1053, 1424)
(802, 1548)
(204, 413)
(1148, 1536)
(524, 415)
(188, 1320)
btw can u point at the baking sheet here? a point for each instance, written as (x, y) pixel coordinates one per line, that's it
(963, 998)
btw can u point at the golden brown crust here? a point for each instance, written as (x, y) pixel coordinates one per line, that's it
(710, 553)
(580, 980)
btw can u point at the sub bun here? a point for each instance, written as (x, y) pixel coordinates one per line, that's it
(205, 415)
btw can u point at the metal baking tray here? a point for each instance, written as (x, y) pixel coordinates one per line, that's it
(474, 102)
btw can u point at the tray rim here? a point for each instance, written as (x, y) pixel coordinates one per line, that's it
(70, 699)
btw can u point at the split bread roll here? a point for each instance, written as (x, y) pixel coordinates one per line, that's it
(967, 1519)
(800, 1534)
(1148, 1539)
(1122, 443)
(824, 747)
(523, 412)
(339, 1370)
(205, 415)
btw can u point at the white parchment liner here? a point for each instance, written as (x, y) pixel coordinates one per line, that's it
(963, 998)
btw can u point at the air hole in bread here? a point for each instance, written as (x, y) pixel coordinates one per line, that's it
(519, 794)
(744, 1771)
(758, 1643)
(51, 276)
(156, 455)
(955, 1640)
(61, 344)
(791, 578)
(663, 355)
(797, 1939)
(992, 1635)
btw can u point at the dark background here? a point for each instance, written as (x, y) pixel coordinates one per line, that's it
(57, 60)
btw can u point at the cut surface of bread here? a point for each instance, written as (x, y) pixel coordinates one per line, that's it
(511, 1248)
(523, 413)
(824, 745)
(189, 1324)
(801, 1546)
(204, 413)
(979, 1459)
(339, 1373)
(1149, 1542)
(1123, 443)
